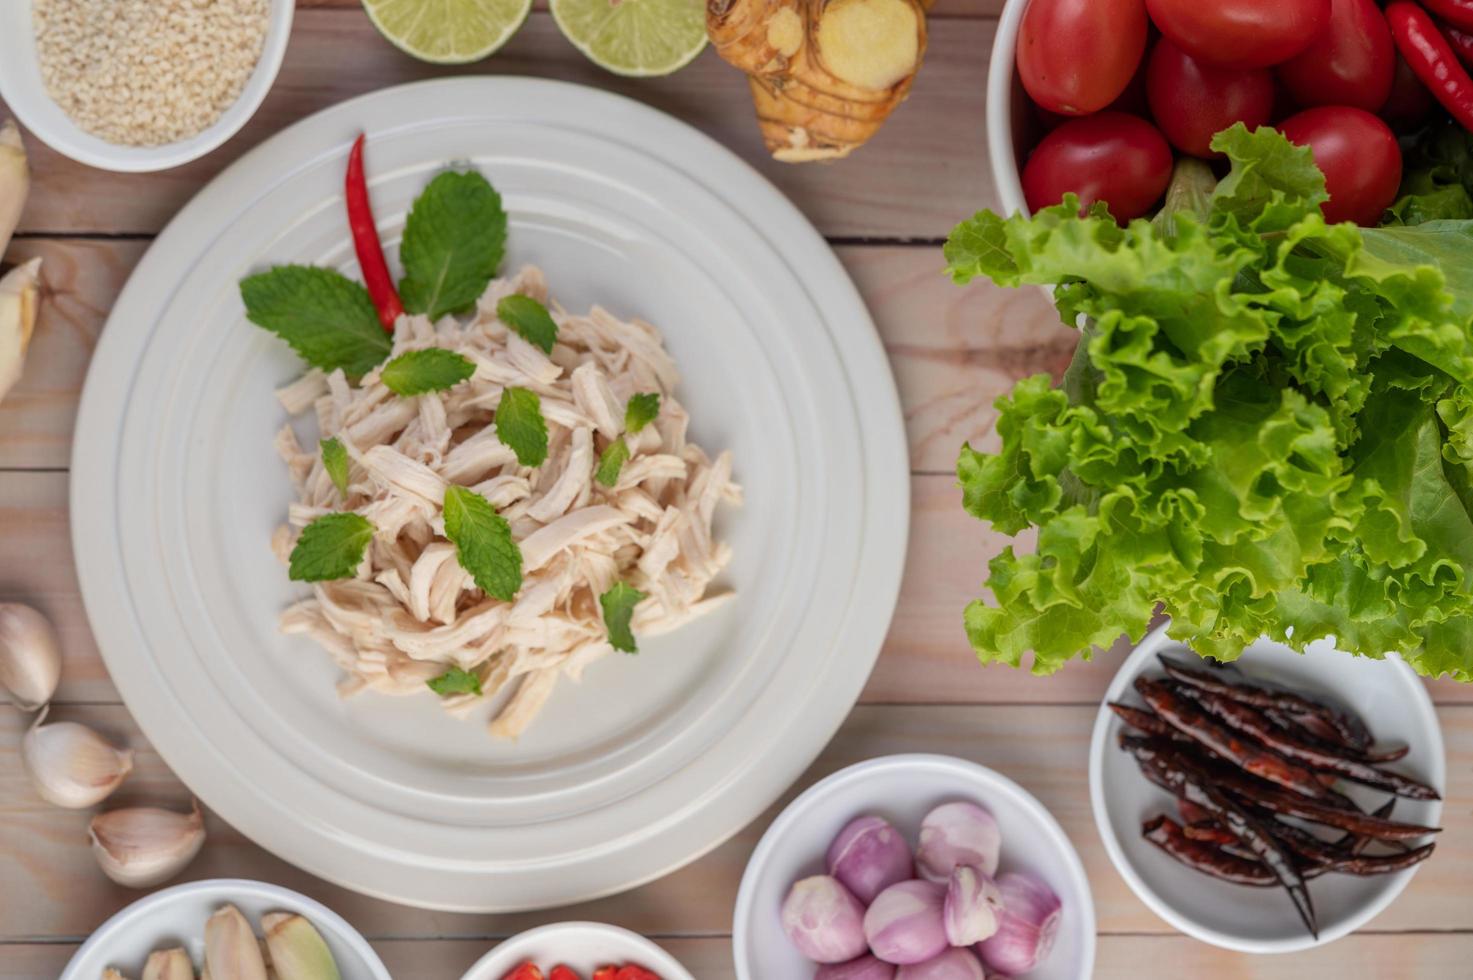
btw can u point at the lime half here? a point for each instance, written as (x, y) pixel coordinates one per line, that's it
(448, 32)
(634, 37)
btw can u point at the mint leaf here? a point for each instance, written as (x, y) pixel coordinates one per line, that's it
(454, 239)
(643, 408)
(519, 424)
(433, 369)
(618, 605)
(530, 319)
(331, 547)
(326, 317)
(455, 681)
(611, 461)
(483, 543)
(335, 461)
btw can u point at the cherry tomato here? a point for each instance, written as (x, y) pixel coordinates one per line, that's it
(1409, 102)
(631, 972)
(1351, 62)
(1111, 156)
(1192, 100)
(605, 973)
(1359, 155)
(561, 972)
(527, 971)
(1076, 56)
(1240, 33)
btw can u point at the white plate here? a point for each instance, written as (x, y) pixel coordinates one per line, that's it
(903, 789)
(583, 946)
(652, 760)
(25, 93)
(176, 917)
(1394, 704)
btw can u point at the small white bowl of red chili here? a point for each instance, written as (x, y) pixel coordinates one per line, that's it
(578, 951)
(1101, 98)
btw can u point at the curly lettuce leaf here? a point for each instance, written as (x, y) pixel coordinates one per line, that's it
(1267, 428)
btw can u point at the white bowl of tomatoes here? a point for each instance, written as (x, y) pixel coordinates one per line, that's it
(578, 951)
(1102, 98)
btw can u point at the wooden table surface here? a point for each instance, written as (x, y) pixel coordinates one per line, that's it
(886, 210)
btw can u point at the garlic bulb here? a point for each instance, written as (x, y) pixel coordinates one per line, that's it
(231, 949)
(15, 180)
(30, 657)
(169, 964)
(20, 292)
(71, 765)
(144, 846)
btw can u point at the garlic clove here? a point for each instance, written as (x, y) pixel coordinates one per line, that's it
(30, 657)
(20, 292)
(145, 846)
(71, 765)
(169, 964)
(231, 950)
(298, 951)
(15, 180)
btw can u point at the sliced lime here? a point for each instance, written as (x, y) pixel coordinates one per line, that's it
(448, 32)
(634, 37)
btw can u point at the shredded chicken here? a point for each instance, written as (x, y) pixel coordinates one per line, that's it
(412, 612)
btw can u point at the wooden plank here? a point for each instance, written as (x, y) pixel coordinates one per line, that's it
(1364, 955)
(953, 349)
(43, 855)
(925, 658)
(914, 180)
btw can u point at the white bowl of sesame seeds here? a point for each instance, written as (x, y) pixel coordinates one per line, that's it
(139, 85)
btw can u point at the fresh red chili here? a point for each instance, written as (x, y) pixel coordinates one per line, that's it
(1432, 58)
(366, 242)
(1461, 42)
(1456, 12)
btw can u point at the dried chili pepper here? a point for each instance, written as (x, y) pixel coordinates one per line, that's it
(1431, 58)
(1141, 720)
(1187, 717)
(1168, 835)
(1209, 832)
(366, 244)
(1191, 781)
(1350, 729)
(1255, 724)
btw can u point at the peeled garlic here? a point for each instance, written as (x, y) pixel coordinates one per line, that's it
(71, 765)
(15, 181)
(30, 657)
(20, 292)
(231, 951)
(144, 846)
(169, 964)
(298, 951)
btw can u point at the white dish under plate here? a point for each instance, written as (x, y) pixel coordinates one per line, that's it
(652, 760)
(1386, 694)
(176, 917)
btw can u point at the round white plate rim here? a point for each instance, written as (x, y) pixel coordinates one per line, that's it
(70, 140)
(885, 492)
(226, 888)
(799, 809)
(660, 957)
(1099, 739)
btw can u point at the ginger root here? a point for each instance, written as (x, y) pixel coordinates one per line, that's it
(825, 74)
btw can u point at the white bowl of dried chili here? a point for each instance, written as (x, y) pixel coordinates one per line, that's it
(1385, 694)
(139, 85)
(586, 948)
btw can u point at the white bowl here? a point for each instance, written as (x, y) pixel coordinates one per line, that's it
(25, 93)
(176, 917)
(902, 789)
(584, 946)
(1393, 702)
(1007, 111)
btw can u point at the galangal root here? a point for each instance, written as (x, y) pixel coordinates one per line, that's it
(20, 289)
(825, 74)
